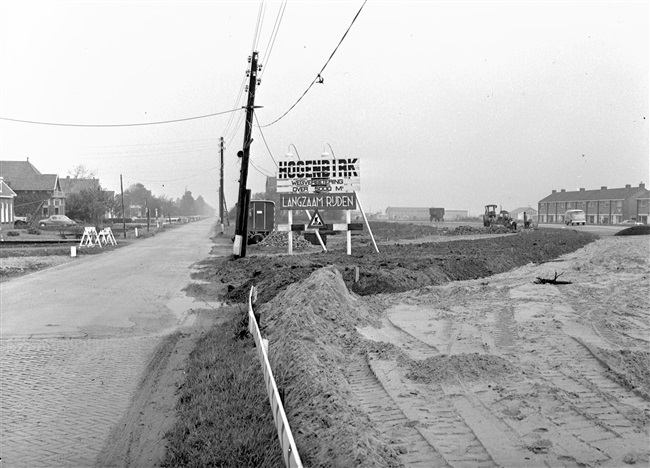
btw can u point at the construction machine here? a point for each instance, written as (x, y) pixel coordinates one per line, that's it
(503, 218)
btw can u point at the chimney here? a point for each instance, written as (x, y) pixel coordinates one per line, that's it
(628, 186)
(641, 185)
(582, 189)
(562, 191)
(554, 191)
(604, 187)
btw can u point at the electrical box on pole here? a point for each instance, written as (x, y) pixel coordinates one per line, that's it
(241, 236)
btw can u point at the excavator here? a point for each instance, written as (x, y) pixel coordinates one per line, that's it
(503, 218)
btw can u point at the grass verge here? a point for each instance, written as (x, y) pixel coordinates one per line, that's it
(223, 414)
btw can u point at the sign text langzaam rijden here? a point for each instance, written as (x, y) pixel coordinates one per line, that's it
(310, 201)
(318, 176)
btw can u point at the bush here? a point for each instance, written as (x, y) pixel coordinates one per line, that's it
(35, 231)
(13, 233)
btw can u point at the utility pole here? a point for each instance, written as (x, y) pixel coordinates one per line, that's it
(241, 234)
(221, 187)
(123, 213)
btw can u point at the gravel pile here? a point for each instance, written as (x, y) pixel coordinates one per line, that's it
(281, 239)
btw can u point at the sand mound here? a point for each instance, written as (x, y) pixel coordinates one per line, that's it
(310, 326)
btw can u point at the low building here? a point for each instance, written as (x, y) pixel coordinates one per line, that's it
(603, 206)
(518, 213)
(451, 215)
(408, 214)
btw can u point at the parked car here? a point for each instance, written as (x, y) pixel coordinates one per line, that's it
(631, 222)
(56, 220)
(575, 217)
(20, 221)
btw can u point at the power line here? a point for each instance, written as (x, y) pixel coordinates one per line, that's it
(264, 139)
(318, 76)
(58, 124)
(274, 35)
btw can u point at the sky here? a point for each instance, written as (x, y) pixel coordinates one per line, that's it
(447, 104)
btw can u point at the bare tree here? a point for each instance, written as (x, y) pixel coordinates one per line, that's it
(82, 172)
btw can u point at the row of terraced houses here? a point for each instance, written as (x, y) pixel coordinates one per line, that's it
(602, 206)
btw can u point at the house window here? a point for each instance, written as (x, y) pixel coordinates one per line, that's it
(45, 211)
(56, 210)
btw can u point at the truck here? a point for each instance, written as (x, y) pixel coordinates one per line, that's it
(437, 214)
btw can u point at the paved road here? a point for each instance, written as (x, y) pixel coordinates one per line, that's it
(76, 339)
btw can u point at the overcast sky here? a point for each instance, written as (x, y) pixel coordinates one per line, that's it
(451, 104)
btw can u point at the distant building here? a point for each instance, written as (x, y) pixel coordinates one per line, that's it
(407, 214)
(518, 213)
(604, 206)
(72, 185)
(421, 214)
(451, 215)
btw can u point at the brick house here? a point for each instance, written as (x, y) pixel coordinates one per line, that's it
(604, 206)
(37, 194)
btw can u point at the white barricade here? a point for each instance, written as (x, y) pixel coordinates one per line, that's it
(105, 236)
(90, 237)
(289, 450)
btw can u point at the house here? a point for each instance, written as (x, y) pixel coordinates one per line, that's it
(75, 185)
(518, 213)
(6, 205)
(38, 195)
(603, 206)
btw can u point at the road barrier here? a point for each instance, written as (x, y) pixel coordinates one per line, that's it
(289, 450)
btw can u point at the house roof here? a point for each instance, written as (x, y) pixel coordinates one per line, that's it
(603, 193)
(22, 175)
(5, 190)
(69, 185)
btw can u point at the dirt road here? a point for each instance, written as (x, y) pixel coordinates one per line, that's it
(77, 337)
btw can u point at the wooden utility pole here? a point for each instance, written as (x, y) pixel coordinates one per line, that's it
(241, 236)
(221, 187)
(123, 213)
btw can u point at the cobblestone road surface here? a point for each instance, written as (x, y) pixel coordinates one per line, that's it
(69, 368)
(60, 397)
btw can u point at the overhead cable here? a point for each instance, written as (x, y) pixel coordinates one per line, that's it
(318, 78)
(274, 35)
(139, 124)
(264, 139)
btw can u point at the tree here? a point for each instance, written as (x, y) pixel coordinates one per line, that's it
(188, 204)
(90, 205)
(80, 171)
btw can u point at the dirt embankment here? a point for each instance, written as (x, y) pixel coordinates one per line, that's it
(491, 372)
(396, 268)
